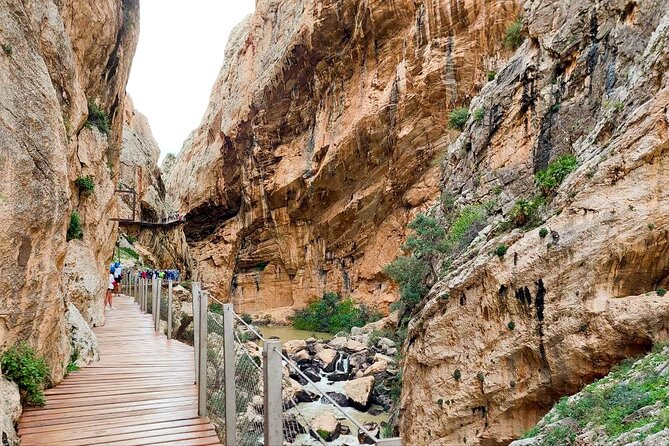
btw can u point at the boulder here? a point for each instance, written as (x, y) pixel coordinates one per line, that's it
(359, 392)
(382, 357)
(301, 357)
(83, 342)
(335, 377)
(338, 343)
(377, 367)
(372, 428)
(354, 346)
(311, 372)
(357, 331)
(327, 359)
(338, 398)
(292, 347)
(10, 411)
(327, 426)
(385, 343)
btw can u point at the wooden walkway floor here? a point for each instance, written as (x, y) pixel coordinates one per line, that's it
(140, 393)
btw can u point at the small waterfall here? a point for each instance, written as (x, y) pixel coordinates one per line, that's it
(341, 366)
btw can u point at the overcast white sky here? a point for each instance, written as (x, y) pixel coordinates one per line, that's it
(180, 52)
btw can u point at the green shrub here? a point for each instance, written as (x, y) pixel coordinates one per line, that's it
(479, 114)
(514, 34)
(247, 318)
(458, 118)
(7, 48)
(524, 212)
(661, 291)
(457, 374)
(21, 365)
(467, 218)
(491, 75)
(501, 250)
(480, 376)
(130, 252)
(511, 325)
(74, 230)
(543, 232)
(549, 179)
(131, 239)
(333, 314)
(216, 308)
(85, 184)
(97, 118)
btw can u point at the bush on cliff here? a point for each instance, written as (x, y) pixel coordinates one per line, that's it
(333, 314)
(97, 118)
(29, 372)
(458, 118)
(74, 230)
(549, 179)
(513, 36)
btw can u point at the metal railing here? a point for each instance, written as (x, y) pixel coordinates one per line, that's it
(240, 385)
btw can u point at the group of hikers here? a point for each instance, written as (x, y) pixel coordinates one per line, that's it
(117, 273)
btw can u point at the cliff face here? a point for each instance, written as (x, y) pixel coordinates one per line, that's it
(320, 139)
(591, 80)
(56, 56)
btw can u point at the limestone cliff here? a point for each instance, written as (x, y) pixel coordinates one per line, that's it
(56, 58)
(320, 142)
(590, 80)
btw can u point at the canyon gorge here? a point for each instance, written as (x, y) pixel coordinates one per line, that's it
(330, 128)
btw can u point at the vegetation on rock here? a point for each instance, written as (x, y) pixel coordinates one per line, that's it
(333, 314)
(75, 230)
(549, 179)
(514, 34)
(628, 405)
(21, 365)
(458, 118)
(85, 184)
(97, 118)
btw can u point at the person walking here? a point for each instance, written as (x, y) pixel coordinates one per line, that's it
(110, 287)
(118, 270)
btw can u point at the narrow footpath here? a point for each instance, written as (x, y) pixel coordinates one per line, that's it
(141, 392)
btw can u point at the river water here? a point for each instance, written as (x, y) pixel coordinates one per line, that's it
(312, 410)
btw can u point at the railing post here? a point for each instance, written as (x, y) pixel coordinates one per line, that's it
(154, 293)
(195, 290)
(142, 292)
(273, 407)
(169, 309)
(158, 301)
(389, 442)
(202, 357)
(229, 375)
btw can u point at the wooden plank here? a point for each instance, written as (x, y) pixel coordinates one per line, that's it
(141, 392)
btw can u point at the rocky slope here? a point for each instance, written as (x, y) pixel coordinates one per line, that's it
(320, 142)
(590, 80)
(628, 407)
(55, 58)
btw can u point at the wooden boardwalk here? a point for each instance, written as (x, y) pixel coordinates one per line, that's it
(140, 393)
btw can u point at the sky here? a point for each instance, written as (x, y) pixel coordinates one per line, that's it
(179, 55)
